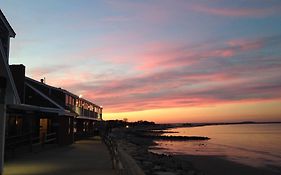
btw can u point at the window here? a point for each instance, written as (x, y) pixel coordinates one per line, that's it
(66, 99)
(72, 101)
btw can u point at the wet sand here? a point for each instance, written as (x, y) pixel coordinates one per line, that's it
(215, 165)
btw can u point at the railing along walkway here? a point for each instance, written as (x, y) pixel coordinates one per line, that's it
(122, 162)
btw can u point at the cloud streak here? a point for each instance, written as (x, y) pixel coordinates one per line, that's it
(238, 11)
(139, 55)
(234, 70)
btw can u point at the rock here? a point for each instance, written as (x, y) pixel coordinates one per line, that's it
(164, 173)
(147, 163)
(157, 167)
(153, 163)
(191, 173)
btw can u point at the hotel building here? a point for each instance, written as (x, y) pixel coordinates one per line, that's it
(34, 113)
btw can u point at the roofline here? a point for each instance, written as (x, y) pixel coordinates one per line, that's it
(9, 74)
(60, 112)
(12, 33)
(87, 118)
(44, 96)
(90, 102)
(62, 90)
(52, 87)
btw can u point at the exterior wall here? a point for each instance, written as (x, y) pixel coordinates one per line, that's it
(38, 127)
(5, 33)
(65, 130)
(33, 98)
(11, 93)
(56, 95)
(18, 72)
(4, 38)
(8, 93)
(82, 107)
(84, 128)
(40, 86)
(69, 101)
(18, 122)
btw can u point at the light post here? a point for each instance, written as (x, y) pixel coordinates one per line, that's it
(3, 83)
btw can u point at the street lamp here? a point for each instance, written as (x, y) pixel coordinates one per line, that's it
(3, 84)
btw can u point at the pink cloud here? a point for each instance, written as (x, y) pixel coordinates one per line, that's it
(176, 55)
(116, 19)
(190, 75)
(165, 56)
(155, 55)
(174, 89)
(238, 12)
(246, 45)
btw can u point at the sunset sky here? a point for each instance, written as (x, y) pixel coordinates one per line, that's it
(156, 60)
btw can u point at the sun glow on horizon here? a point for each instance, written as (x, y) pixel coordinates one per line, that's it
(231, 112)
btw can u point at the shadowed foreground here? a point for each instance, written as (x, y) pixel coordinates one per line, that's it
(84, 158)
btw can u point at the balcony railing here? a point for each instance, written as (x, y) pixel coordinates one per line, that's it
(30, 141)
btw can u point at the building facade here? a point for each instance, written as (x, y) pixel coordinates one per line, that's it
(8, 93)
(35, 113)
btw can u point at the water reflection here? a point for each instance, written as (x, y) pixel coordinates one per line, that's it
(255, 145)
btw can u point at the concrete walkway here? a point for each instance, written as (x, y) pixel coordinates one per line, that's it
(86, 157)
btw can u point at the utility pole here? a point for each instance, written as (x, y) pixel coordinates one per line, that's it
(3, 84)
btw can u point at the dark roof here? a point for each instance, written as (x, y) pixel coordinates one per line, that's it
(26, 107)
(12, 33)
(51, 87)
(88, 118)
(60, 89)
(44, 96)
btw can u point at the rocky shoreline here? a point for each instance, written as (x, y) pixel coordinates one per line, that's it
(158, 135)
(137, 142)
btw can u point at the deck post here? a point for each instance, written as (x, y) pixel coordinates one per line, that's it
(2, 121)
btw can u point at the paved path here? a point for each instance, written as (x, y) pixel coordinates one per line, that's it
(86, 157)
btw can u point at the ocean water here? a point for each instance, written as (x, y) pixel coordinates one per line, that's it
(256, 145)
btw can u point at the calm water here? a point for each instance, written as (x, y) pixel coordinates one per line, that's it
(254, 144)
